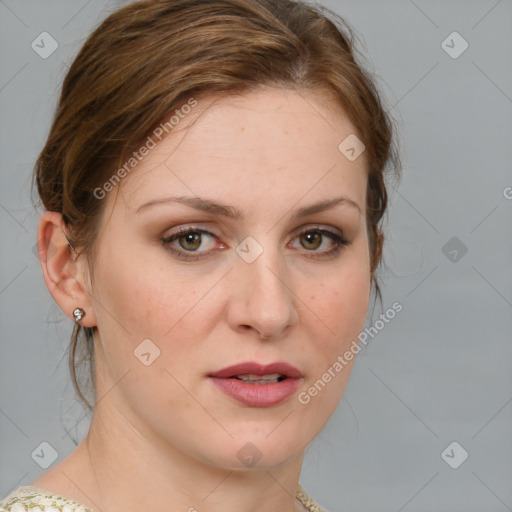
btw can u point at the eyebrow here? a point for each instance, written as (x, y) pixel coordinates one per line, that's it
(209, 206)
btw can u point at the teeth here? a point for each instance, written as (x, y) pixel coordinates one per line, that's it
(260, 379)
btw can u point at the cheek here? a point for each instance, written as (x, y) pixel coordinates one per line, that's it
(139, 303)
(144, 300)
(340, 304)
(149, 302)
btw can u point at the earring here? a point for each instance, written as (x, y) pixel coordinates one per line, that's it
(78, 313)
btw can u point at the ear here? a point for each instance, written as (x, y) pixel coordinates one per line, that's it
(66, 277)
(379, 243)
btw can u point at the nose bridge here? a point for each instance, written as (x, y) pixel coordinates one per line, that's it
(264, 295)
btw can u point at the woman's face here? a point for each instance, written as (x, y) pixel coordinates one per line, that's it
(272, 283)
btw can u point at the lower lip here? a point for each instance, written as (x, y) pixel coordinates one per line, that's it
(258, 395)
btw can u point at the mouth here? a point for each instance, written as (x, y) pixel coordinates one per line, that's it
(257, 385)
(257, 380)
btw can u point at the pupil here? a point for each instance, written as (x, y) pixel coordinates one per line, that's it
(190, 239)
(310, 239)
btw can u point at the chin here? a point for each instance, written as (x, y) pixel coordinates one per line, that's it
(258, 450)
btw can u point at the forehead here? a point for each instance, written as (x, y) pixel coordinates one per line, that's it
(270, 142)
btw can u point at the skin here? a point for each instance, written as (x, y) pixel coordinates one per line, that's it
(164, 431)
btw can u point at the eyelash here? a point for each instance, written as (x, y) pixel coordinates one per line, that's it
(339, 240)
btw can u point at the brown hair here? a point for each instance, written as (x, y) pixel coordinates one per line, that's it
(147, 58)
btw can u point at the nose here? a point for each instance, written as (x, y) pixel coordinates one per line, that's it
(263, 299)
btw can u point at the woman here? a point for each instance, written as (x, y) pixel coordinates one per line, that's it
(213, 186)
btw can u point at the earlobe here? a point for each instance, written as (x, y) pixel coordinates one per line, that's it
(63, 275)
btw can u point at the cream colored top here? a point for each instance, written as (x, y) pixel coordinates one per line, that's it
(28, 498)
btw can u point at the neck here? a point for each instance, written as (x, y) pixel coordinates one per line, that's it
(121, 466)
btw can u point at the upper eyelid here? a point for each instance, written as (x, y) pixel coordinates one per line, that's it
(305, 227)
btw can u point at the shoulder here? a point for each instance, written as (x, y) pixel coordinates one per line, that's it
(307, 500)
(28, 498)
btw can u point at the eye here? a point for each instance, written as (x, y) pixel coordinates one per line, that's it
(313, 239)
(189, 240)
(186, 242)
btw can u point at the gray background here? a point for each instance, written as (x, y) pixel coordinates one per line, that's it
(439, 372)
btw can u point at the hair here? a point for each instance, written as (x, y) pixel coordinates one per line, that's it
(148, 57)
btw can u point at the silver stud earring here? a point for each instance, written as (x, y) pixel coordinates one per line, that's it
(78, 313)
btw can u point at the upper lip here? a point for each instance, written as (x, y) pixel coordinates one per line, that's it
(255, 368)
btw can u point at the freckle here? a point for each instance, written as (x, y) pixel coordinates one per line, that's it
(242, 129)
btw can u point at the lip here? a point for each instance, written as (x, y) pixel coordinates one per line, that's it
(258, 395)
(259, 369)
